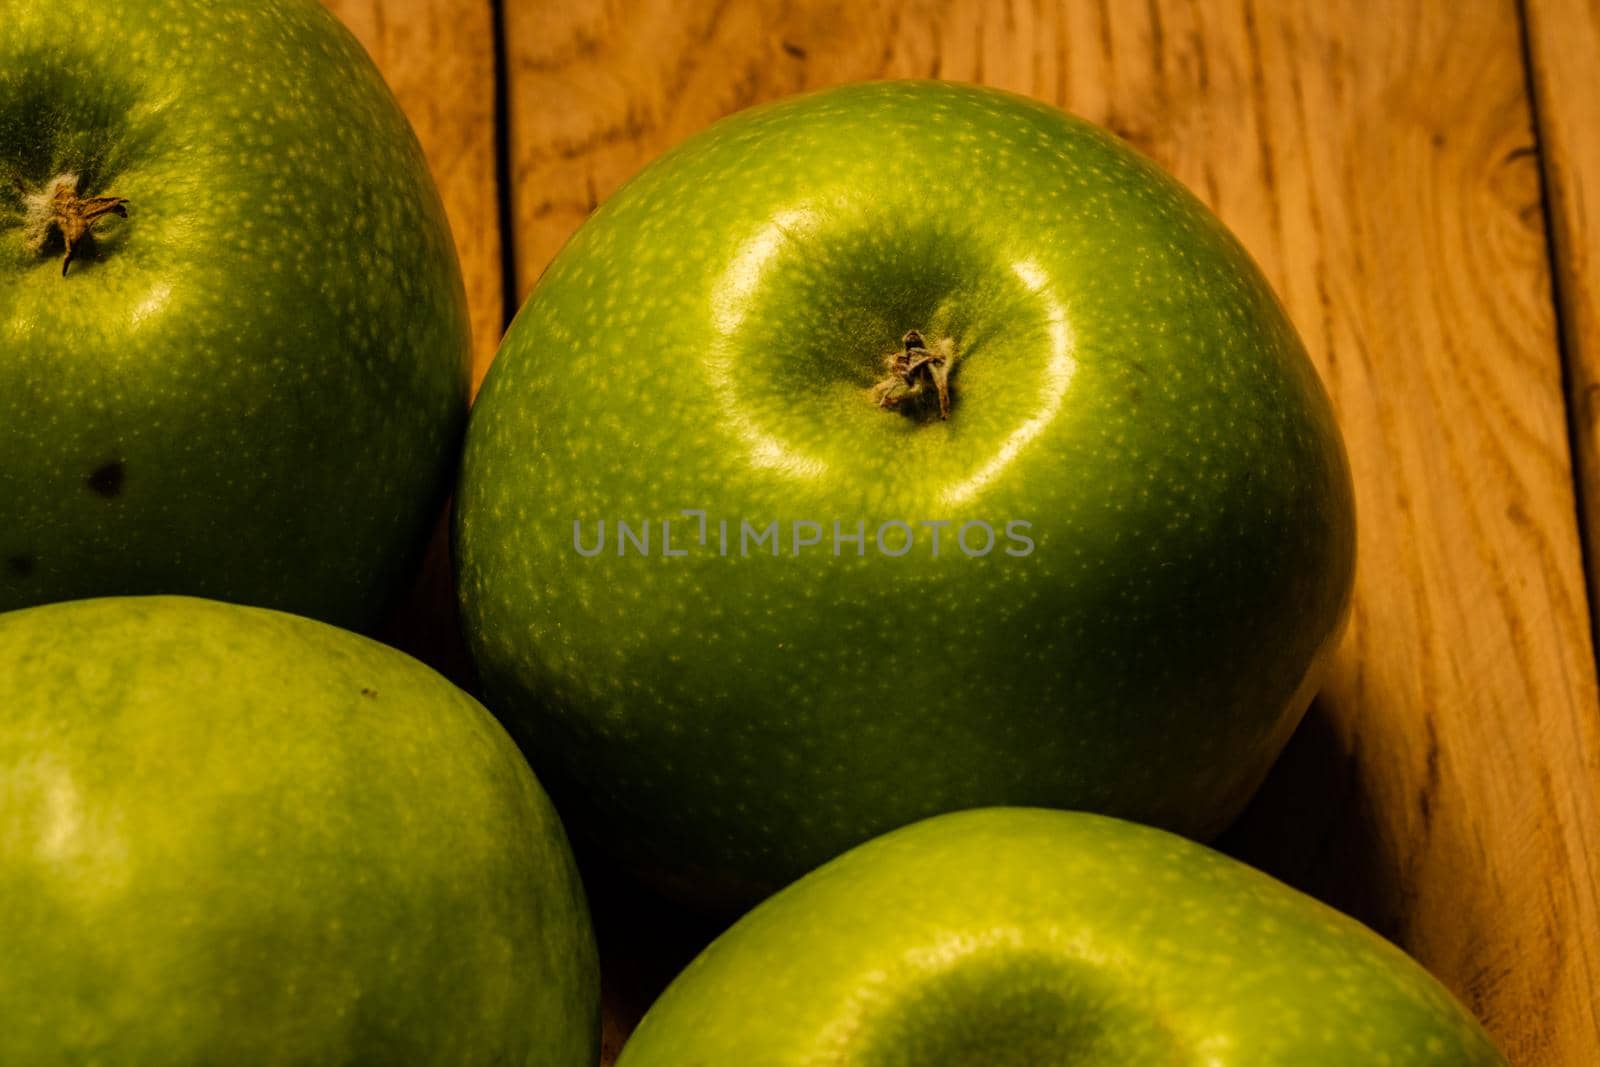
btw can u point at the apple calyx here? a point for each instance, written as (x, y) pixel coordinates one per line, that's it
(916, 369)
(59, 208)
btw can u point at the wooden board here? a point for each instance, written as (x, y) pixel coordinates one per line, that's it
(1563, 41)
(1382, 165)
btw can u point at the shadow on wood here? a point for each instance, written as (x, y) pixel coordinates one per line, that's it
(645, 940)
(1314, 825)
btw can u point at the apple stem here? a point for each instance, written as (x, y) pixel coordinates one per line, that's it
(914, 369)
(59, 208)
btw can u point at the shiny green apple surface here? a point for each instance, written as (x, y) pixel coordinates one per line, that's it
(1148, 538)
(233, 836)
(1012, 937)
(233, 333)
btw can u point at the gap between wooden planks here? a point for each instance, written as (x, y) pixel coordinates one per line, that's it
(1563, 44)
(1380, 162)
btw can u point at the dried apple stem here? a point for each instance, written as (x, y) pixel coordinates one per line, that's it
(915, 369)
(58, 208)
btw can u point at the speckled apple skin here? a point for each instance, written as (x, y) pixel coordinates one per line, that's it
(1028, 938)
(1125, 381)
(234, 836)
(253, 388)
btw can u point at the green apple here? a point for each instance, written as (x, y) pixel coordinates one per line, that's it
(1015, 936)
(233, 333)
(233, 836)
(896, 449)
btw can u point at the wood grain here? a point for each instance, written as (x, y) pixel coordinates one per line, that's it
(1563, 41)
(438, 56)
(1381, 166)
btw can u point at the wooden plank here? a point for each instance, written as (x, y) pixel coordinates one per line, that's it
(1446, 791)
(438, 57)
(1380, 166)
(1563, 39)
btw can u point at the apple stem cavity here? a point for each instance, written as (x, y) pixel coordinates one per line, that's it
(58, 208)
(914, 371)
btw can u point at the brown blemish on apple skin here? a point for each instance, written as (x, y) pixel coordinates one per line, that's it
(106, 479)
(370, 694)
(20, 564)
